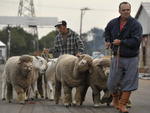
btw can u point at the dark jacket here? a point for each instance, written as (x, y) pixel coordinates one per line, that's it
(130, 36)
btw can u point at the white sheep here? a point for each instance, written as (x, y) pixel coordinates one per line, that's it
(17, 74)
(50, 78)
(40, 66)
(21, 73)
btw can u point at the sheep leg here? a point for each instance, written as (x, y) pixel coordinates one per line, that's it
(35, 90)
(21, 97)
(28, 93)
(67, 95)
(21, 94)
(39, 85)
(51, 90)
(9, 92)
(3, 89)
(46, 90)
(80, 94)
(107, 98)
(45, 86)
(96, 96)
(57, 92)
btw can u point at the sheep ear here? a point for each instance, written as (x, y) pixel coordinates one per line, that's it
(31, 59)
(36, 57)
(104, 63)
(19, 61)
(91, 62)
(91, 70)
(80, 55)
(100, 65)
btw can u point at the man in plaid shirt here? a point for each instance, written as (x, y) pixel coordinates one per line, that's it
(67, 41)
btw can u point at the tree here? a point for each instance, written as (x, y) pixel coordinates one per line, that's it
(4, 35)
(48, 40)
(97, 42)
(21, 41)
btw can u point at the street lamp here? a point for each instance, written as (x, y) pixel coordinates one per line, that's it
(81, 18)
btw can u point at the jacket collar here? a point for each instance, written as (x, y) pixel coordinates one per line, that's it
(129, 18)
(127, 24)
(69, 33)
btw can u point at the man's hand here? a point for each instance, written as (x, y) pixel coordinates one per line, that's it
(116, 42)
(107, 45)
(78, 54)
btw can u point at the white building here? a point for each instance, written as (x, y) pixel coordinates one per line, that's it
(2, 52)
(143, 16)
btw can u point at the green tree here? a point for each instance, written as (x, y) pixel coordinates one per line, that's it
(21, 41)
(48, 40)
(4, 35)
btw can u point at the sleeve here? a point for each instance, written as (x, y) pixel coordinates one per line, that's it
(136, 37)
(55, 52)
(80, 44)
(107, 33)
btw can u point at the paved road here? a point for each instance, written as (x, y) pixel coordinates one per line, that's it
(140, 100)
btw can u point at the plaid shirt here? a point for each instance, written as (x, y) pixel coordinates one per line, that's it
(72, 44)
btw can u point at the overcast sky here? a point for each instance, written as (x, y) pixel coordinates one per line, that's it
(101, 11)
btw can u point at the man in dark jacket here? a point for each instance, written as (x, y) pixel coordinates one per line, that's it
(123, 35)
(67, 41)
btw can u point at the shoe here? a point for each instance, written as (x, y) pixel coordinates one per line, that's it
(115, 100)
(123, 102)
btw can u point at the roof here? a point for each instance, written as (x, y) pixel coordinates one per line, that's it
(146, 6)
(2, 44)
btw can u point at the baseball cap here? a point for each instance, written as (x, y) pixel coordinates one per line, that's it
(64, 23)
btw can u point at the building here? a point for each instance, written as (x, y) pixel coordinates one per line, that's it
(143, 16)
(2, 52)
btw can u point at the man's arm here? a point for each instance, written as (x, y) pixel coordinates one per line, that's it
(107, 35)
(135, 39)
(79, 44)
(55, 52)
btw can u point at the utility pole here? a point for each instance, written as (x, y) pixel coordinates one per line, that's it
(81, 18)
(26, 8)
(8, 42)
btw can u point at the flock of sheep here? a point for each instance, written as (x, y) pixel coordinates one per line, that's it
(60, 75)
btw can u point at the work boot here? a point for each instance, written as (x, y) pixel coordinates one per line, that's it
(115, 101)
(129, 104)
(123, 102)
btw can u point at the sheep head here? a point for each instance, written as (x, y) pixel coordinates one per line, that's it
(105, 63)
(101, 67)
(25, 64)
(40, 63)
(84, 62)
